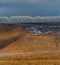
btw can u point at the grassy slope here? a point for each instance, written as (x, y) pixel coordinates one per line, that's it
(15, 39)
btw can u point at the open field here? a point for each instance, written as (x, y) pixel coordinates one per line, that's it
(19, 48)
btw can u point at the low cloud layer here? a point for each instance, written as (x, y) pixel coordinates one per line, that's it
(28, 19)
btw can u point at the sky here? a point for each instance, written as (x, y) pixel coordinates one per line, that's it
(29, 8)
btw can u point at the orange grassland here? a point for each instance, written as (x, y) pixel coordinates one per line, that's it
(18, 47)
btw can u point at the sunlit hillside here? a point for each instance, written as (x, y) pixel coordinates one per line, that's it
(18, 47)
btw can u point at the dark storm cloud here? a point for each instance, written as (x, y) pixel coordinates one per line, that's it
(29, 7)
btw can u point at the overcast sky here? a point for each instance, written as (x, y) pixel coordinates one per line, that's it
(29, 7)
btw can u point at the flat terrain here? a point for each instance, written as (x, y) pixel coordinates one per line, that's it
(19, 48)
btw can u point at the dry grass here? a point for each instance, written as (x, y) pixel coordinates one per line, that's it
(27, 50)
(33, 62)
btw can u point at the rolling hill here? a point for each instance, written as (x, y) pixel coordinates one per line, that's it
(17, 44)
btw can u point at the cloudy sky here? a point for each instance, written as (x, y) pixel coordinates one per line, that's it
(29, 7)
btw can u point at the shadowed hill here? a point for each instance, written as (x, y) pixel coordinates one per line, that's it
(9, 34)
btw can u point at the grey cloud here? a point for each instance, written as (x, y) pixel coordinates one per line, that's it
(29, 7)
(4, 1)
(28, 19)
(22, 1)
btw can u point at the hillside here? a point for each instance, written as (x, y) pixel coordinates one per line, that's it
(16, 43)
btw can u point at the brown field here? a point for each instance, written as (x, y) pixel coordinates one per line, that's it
(17, 47)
